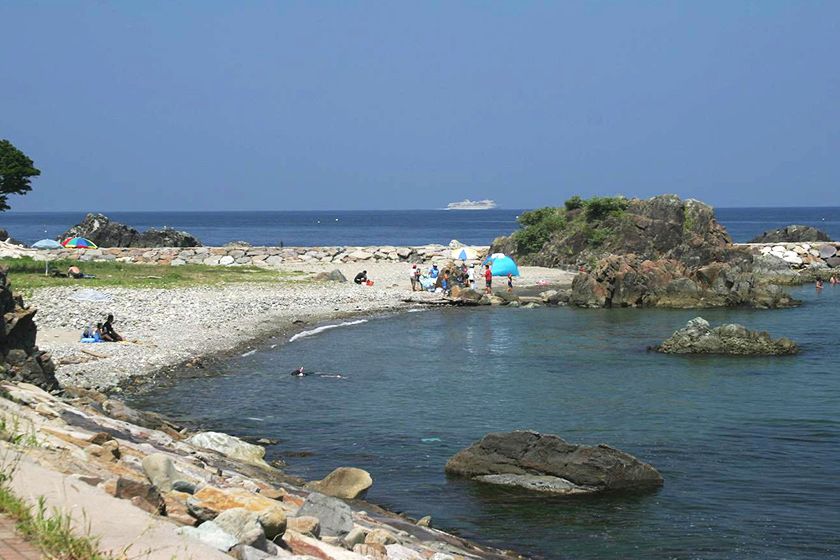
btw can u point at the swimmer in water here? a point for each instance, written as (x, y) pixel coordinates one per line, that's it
(299, 372)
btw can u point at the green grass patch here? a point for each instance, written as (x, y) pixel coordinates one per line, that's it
(27, 274)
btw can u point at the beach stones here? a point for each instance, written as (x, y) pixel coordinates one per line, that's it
(335, 516)
(210, 534)
(344, 482)
(550, 464)
(827, 251)
(243, 525)
(697, 337)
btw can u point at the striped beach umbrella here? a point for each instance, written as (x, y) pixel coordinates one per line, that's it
(78, 243)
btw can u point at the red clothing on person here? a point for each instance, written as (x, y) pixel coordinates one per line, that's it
(488, 274)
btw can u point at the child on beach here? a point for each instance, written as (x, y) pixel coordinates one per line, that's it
(488, 279)
(510, 282)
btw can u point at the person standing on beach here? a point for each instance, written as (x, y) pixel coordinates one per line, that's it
(414, 277)
(510, 282)
(471, 277)
(488, 279)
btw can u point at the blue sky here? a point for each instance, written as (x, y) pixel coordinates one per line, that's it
(371, 105)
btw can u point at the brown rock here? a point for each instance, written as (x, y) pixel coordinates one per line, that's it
(306, 525)
(380, 536)
(208, 502)
(348, 483)
(372, 550)
(176, 508)
(143, 495)
(303, 546)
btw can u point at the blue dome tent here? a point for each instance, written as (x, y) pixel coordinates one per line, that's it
(502, 265)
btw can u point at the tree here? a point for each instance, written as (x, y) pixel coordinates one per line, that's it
(15, 171)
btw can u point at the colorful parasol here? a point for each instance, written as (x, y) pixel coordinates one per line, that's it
(78, 243)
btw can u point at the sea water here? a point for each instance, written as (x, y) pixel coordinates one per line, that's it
(749, 447)
(379, 227)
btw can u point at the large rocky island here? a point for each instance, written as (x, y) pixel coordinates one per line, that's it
(659, 252)
(106, 233)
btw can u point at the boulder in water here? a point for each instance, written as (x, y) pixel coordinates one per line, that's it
(698, 337)
(106, 233)
(547, 463)
(344, 482)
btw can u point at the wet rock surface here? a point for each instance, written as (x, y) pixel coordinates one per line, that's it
(550, 464)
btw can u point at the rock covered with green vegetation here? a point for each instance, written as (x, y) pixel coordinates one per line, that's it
(20, 358)
(584, 231)
(698, 337)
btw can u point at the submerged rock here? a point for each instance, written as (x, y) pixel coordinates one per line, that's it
(344, 482)
(698, 337)
(791, 234)
(550, 464)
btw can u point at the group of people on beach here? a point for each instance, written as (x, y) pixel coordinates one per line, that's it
(463, 276)
(103, 332)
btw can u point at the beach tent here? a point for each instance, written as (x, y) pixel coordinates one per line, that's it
(464, 254)
(45, 244)
(78, 243)
(502, 265)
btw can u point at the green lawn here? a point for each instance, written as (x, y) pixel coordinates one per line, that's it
(27, 274)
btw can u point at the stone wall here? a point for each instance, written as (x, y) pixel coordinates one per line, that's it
(259, 256)
(824, 254)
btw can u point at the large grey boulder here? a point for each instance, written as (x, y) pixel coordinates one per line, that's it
(550, 464)
(791, 234)
(243, 525)
(230, 446)
(698, 337)
(335, 516)
(160, 471)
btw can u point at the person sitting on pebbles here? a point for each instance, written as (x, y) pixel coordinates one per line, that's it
(361, 278)
(108, 332)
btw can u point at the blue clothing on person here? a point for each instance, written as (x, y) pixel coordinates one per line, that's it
(433, 272)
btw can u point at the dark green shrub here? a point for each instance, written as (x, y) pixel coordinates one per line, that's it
(537, 228)
(574, 203)
(599, 207)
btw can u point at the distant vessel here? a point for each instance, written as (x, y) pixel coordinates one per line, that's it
(468, 204)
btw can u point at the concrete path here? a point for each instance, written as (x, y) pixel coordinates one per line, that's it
(12, 545)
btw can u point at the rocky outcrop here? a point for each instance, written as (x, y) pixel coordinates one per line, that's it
(231, 447)
(106, 233)
(550, 464)
(631, 281)
(662, 227)
(20, 358)
(792, 234)
(698, 337)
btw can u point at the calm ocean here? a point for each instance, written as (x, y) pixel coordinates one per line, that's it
(389, 227)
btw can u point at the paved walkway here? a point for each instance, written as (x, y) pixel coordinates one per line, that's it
(12, 546)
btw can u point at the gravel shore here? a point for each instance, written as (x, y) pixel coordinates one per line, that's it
(167, 327)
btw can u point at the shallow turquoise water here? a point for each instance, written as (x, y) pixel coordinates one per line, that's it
(749, 447)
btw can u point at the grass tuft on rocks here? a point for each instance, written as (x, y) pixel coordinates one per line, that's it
(28, 274)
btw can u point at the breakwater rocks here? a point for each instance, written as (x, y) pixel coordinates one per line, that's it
(208, 492)
(20, 358)
(547, 463)
(698, 337)
(798, 256)
(259, 256)
(630, 281)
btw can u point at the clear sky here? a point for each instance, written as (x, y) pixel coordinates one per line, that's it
(206, 105)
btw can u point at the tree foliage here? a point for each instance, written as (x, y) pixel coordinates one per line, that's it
(537, 227)
(16, 170)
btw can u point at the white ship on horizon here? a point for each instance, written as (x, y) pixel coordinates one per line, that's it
(468, 204)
